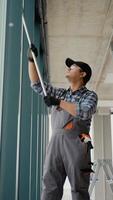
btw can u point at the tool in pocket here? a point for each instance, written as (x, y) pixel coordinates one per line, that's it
(86, 139)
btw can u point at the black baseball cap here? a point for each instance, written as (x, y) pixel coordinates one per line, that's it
(84, 66)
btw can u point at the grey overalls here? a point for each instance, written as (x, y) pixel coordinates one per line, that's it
(66, 156)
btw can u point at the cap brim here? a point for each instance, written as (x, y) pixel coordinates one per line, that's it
(69, 62)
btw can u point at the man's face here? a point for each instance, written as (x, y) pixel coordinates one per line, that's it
(74, 73)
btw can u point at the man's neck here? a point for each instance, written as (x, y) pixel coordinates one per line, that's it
(76, 86)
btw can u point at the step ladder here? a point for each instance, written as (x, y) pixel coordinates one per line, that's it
(106, 164)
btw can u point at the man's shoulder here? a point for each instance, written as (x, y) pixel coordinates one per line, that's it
(91, 92)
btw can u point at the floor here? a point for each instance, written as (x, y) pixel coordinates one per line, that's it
(67, 191)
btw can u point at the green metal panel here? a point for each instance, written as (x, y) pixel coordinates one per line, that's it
(10, 103)
(24, 117)
(3, 6)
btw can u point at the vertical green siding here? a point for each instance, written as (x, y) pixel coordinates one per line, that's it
(3, 6)
(24, 123)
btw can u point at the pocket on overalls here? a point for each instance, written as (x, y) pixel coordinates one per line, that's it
(85, 174)
(86, 166)
(69, 125)
(84, 147)
(84, 180)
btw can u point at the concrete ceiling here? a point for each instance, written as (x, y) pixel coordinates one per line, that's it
(82, 30)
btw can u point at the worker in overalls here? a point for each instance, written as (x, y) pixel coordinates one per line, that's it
(68, 153)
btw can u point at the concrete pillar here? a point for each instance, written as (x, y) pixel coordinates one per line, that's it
(102, 150)
(112, 135)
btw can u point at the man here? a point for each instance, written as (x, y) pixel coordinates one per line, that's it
(68, 153)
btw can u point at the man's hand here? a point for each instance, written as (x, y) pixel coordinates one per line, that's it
(29, 54)
(51, 101)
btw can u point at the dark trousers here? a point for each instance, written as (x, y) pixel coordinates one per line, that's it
(66, 156)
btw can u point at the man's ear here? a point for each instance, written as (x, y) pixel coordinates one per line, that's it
(83, 74)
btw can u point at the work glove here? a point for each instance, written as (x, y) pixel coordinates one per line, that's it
(29, 54)
(51, 101)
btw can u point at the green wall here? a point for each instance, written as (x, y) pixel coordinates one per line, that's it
(24, 119)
